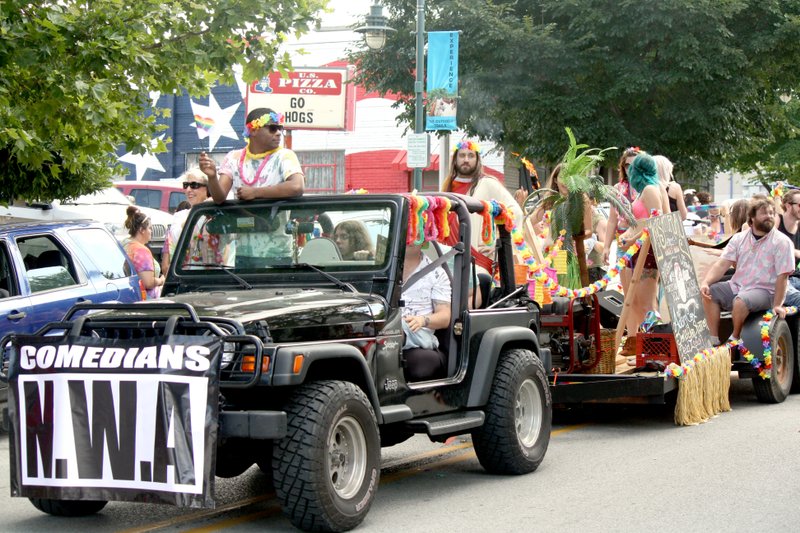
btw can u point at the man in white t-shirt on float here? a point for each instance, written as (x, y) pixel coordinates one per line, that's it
(262, 169)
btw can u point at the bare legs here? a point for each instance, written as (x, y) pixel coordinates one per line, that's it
(644, 300)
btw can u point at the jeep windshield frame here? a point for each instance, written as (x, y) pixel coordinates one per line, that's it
(267, 242)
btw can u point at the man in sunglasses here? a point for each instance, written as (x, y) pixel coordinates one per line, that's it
(789, 225)
(262, 169)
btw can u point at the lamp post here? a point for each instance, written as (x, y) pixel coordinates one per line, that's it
(375, 29)
(419, 126)
(375, 36)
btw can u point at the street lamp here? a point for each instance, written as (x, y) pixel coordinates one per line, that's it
(375, 36)
(375, 29)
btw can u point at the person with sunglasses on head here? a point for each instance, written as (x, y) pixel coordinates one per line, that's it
(195, 187)
(262, 169)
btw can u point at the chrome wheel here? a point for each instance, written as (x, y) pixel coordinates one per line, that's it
(528, 413)
(347, 457)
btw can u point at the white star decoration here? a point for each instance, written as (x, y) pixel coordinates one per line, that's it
(144, 161)
(217, 121)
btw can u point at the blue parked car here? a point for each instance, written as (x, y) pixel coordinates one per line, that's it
(45, 268)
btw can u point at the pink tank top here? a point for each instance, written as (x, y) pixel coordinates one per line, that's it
(639, 209)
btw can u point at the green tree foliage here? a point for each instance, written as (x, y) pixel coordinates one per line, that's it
(695, 80)
(76, 77)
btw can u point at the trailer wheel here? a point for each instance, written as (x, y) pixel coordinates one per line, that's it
(326, 469)
(777, 387)
(519, 415)
(68, 507)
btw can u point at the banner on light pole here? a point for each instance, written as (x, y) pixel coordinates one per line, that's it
(442, 86)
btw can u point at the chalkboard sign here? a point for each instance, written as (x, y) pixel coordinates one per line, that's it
(680, 285)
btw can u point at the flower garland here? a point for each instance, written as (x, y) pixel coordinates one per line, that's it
(497, 212)
(263, 120)
(552, 251)
(764, 368)
(467, 145)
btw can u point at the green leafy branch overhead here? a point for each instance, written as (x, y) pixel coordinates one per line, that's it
(77, 77)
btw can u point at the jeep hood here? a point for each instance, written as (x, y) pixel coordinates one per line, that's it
(293, 315)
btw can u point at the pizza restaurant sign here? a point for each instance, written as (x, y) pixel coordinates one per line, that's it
(308, 98)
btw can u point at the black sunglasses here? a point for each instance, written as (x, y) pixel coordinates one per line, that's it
(193, 185)
(273, 128)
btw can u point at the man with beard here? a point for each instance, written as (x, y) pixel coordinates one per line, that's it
(764, 258)
(467, 177)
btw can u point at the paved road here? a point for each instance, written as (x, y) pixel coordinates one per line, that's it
(608, 469)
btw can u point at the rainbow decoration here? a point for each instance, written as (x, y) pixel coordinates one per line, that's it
(428, 221)
(467, 145)
(764, 368)
(264, 120)
(203, 123)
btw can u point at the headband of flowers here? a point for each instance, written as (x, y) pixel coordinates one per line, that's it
(468, 145)
(263, 120)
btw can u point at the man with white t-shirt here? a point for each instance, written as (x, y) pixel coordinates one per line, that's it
(262, 169)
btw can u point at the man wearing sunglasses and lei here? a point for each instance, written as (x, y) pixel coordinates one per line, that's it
(262, 169)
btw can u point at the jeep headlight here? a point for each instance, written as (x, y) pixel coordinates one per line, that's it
(228, 353)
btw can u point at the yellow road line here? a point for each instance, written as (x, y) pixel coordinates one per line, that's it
(468, 453)
(272, 510)
(200, 514)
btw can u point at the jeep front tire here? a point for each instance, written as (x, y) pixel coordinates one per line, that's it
(515, 435)
(326, 469)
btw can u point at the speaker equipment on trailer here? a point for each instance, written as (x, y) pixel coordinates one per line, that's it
(610, 307)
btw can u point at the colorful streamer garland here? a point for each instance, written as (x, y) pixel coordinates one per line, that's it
(433, 219)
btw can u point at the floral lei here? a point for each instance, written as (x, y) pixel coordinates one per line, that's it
(263, 120)
(467, 145)
(428, 221)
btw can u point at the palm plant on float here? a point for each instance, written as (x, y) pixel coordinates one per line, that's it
(578, 176)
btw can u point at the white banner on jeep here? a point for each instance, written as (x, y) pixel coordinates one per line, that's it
(115, 420)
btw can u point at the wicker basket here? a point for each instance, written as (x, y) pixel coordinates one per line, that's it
(608, 353)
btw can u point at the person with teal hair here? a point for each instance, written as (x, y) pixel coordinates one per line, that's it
(652, 200)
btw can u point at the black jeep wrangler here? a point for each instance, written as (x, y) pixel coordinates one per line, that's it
(313, 376)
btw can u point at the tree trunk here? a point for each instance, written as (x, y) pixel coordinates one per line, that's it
(580, 251)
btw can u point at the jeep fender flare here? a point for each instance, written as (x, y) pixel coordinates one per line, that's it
(346, 362)
(491, 345)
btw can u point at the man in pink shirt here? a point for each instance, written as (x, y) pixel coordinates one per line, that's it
(764, 258)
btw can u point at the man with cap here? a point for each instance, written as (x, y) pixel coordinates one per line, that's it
(467, 177)
(262, 169)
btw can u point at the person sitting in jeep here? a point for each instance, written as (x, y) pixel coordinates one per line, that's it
(426, 309)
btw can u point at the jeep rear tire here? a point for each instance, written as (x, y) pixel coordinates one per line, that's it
(776, 388)
(519, 415)
(326, 469)
(68, 507)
